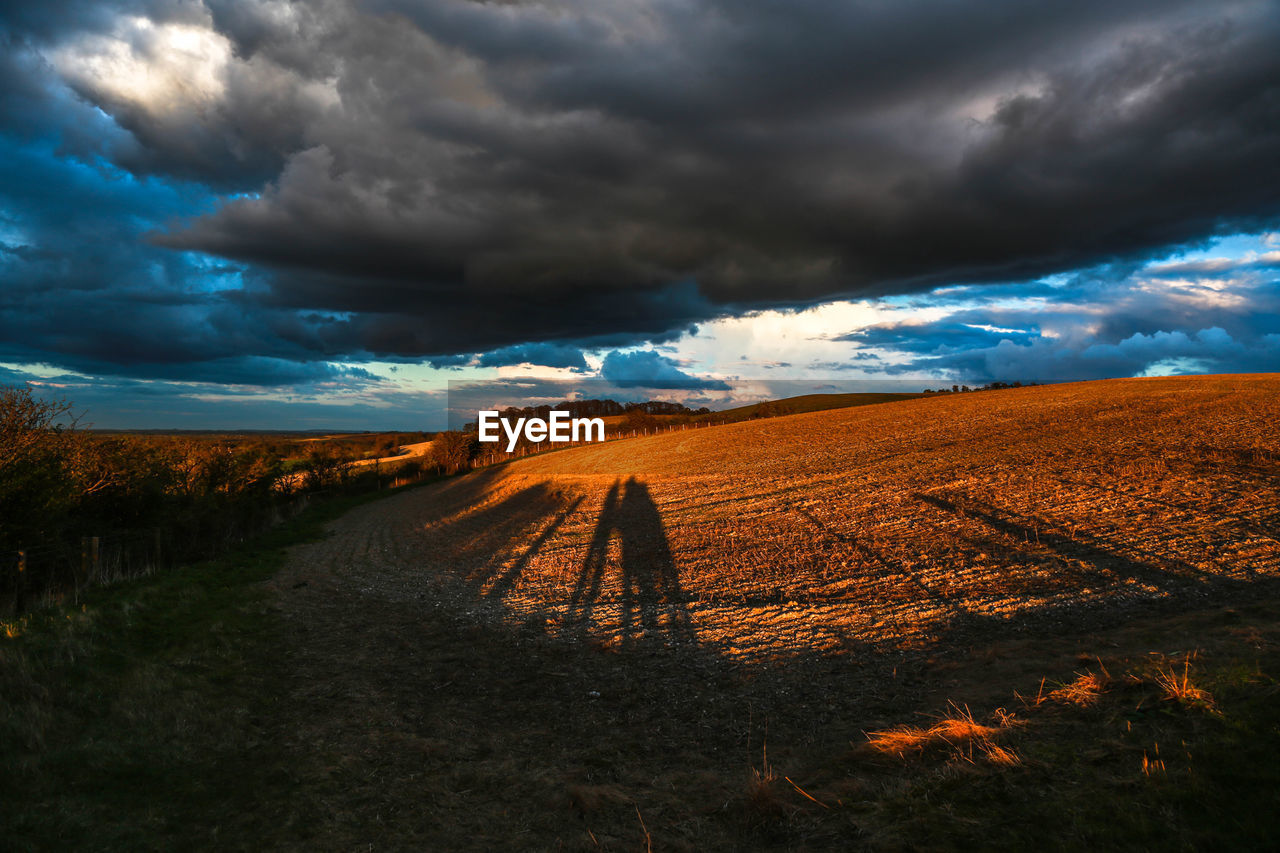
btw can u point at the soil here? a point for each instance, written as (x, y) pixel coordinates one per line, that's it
(610, 647)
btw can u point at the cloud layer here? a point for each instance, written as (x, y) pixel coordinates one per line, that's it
(1207, 316)
(191, 183)
(649, 369)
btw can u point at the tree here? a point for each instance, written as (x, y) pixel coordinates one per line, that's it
(453, 451)
(325, 465)
(35, 490)
(28, 425)
(638, 419)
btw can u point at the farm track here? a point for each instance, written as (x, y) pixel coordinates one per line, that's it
(658, 597)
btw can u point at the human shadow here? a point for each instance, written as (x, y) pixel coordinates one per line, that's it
(485, 533)
(499, 579)
(586, 589)
(489, 536)
(650, 600)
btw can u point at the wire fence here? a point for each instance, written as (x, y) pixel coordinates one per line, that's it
(60, 569)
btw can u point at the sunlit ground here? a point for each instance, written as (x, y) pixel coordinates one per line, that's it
(864, 531)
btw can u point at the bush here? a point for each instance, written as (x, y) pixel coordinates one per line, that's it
(185, 498)
(37, 486)
(453, 451)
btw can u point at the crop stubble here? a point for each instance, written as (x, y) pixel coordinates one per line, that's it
(894, 526)
(624, 626)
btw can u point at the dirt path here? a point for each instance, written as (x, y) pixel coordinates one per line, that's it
(407, 451)
(440, 722)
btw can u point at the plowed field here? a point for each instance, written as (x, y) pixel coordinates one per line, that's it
(561, 644)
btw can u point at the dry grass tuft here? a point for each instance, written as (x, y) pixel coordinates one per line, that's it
(999, 755)
(958, 734)
(765, 803)
(1178, 688)
(1084, 691)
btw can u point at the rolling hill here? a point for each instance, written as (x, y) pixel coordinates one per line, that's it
(970, 620)
(884, 525)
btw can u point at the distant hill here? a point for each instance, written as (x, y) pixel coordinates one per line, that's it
(801, 404)
(603, 409)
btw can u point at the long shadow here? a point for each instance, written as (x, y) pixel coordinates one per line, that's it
(470, 531)
(1237, 463)
(889, 567)
(1164, 573)
(1268, 525)
(652, 598)
(587, 588)
(503, 580)
(652, 601)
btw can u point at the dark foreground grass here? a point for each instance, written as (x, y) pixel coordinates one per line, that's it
(152, 716)
(1136, 752)
(141, 717)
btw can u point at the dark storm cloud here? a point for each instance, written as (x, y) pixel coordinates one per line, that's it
(400, 180)
(547, 355)
(774, 154)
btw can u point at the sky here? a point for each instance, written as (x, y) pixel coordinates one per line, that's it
(305, 215)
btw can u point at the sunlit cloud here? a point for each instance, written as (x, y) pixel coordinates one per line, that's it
(160, 67)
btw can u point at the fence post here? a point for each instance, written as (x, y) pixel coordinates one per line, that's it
(158, 557)
(83, 577)
(21, 586)
(96, 556)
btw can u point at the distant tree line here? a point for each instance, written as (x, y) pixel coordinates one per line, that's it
(602, 409)
(990, 386)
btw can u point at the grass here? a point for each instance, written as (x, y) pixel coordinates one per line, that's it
(1132, 769)
(1084, 690)
(143, 717)
(956, 734)
(1178, 687)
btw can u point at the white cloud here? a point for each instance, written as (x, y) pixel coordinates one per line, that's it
(159, 67)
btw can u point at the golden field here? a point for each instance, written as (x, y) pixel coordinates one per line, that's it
(946, 622)
(854, 531)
